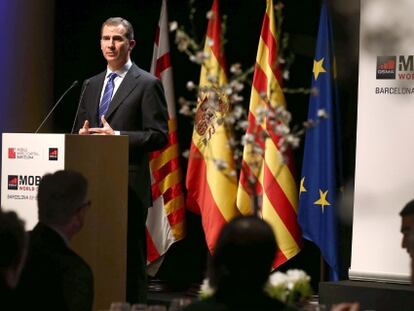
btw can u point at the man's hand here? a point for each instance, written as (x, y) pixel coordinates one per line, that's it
(106, 129)
(85, 129)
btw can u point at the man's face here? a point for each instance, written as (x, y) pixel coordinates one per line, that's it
(115, 47)
(406, 223)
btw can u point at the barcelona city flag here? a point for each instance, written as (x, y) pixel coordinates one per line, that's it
(211, 191)
(321, 168)
(166, 219)
(274, 180)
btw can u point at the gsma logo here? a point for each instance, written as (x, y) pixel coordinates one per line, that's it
(53, 154)
(12, 153)
(12, 182)
(386, 67)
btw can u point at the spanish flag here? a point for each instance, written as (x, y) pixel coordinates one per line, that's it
(273, 180)
(211, 186)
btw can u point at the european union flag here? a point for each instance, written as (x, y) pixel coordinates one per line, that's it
(321, 163)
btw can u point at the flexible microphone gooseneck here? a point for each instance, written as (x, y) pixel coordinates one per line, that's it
(75, 83)
(85, 85)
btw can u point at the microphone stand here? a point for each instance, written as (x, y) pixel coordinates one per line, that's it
(57, 103)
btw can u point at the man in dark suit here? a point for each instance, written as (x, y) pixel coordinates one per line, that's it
(13, 245)
(55, 277)
(240, 267)
(126, 100)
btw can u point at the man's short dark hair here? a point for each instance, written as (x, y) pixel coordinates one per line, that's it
(115, 21)
(60, 196)
(12, 239)
(408, 209)
(244, 253)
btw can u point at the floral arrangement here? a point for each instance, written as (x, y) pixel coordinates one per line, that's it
(292, 287)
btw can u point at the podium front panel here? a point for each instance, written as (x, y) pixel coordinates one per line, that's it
(25, 159)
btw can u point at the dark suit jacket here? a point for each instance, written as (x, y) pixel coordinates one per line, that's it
(54, 277)
(138, 109)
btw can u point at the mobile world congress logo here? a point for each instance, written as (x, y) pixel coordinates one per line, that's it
(12, 153)
(23, 182)
(386, 67)
(21, 153)
(12, 182)
(53, 154)
(393, 67)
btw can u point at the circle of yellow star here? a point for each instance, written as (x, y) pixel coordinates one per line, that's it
(302, 186)
(318, 67)
(322, 201)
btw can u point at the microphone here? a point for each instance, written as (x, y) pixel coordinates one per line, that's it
(75, 83)
(85, 85)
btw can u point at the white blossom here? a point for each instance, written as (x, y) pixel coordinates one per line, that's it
(210, 14)
(173, 26)
(238, 112)
(190, 85)
(186, 154)
(248, 138)
(286, 74)
(322, 113)
(236, 69)
(220, 164)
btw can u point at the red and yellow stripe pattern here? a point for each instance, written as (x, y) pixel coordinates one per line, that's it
(166, 218)
(275, 181)
(211, 192)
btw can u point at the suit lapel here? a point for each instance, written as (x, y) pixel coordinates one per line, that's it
(126, 87)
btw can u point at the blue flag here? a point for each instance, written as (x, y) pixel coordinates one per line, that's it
(321, 163)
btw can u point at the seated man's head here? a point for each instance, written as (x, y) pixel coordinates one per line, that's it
(13, 246)
(407, 221)
(410, 249)
(62, 201)
(243, 255)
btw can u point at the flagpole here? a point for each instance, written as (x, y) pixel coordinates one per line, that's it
(322, 273)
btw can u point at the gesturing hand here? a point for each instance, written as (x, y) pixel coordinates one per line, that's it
(85, 129)
(106, 129)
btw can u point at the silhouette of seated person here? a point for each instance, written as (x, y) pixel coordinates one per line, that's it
(410, 249)
(240, 267)
(13, 249)
(407, 222)
(55, 277)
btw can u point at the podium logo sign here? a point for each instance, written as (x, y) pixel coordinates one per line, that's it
(12, 153)
(12, 182)
(53, 154)
(22, 154)
(386, 67)
(23, 182)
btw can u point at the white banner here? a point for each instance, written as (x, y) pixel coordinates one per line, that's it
(384, 174)
(25, 159)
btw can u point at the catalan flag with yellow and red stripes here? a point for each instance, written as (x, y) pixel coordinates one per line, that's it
(211, 190)
(166, 218)
(273, 180)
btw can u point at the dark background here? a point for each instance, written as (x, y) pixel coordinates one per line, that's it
(77, 57)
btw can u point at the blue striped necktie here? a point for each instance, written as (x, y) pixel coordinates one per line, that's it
(107, 96)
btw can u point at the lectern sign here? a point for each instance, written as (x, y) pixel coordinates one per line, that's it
(26, 158)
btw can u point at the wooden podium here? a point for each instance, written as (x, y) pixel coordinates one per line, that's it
(103, 160)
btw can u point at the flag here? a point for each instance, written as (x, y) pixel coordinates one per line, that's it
(321, 166)
(211, 191)
(166, 218)
(273, 180)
